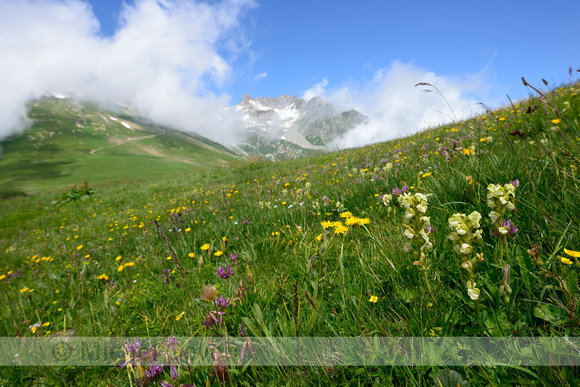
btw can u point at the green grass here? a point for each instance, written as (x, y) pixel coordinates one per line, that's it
(55, 152)
(309, 279)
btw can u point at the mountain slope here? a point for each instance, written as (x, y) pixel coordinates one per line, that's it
(69, 142)
(288, 127)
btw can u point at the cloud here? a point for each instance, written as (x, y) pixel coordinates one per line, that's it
(260, 76)
(166, 58)
(396, 107)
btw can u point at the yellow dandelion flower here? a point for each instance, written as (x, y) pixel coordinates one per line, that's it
(426, 174)
(118, 258)
(340, 228)
(191, 255)
(364, 221)
(572, 253)
(218, 253)
(467, 151)
(319, 237)
(555, 121)
(346, 214)
(129, 264)
(120, 268)
(327, 224)
(188, 229)
(352, 221)
(79, 247)
(205, 247)
(565, 261)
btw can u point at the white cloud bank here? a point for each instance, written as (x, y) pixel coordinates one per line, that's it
(396, 107)
(163, 59)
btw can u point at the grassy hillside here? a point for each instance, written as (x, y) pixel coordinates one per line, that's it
(367, 242)
(70, 142)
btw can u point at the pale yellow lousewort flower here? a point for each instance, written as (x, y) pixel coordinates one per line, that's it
(417, 226)
(499, 199)
(464, 232)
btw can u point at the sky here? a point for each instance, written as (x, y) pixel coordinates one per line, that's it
(184, 62)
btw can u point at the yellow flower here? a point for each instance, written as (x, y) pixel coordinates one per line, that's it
(427, 174)
(555, 121)
(466, 151)
(168, 258)
(572, 253)
(103, 277)
(129, 264)
(346, 214)
(327, 224)
(364, 221)
(318, 238)
(218, 253)
(46, 324)
(179, 316)
(188, 229)
(4, 275)
(373, 299)
(340, 228)
(120, 268)
(118, 258)
(205, 247)
(191, 255)
(565, 261)
(79, 247)
(351, 221)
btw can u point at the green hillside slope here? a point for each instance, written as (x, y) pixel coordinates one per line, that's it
(463, 233)
(69, 142)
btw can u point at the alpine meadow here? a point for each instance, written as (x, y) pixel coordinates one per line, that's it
(448, 257)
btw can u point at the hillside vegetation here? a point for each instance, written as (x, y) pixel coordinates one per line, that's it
(69, 142)
(469, 229)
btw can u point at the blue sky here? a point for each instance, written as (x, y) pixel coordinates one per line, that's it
(299, 43)
(183, 61)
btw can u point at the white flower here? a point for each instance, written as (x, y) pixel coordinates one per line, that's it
(494, 216)
(466, 249)
(472, 291)
(409, 233)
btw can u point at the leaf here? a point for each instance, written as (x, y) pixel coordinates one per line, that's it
(551, 314)
(447, 378)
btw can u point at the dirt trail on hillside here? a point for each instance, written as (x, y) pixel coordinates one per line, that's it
(128, 140)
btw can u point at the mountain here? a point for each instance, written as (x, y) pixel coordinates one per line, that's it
(70, 141)
(288, 127)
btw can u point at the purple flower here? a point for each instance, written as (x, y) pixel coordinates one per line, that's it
(246, 221)
(515, 183)
(325, 200)
(405, 188)
(212, 318)
(512, 228)
(221, 302)
(397, 191)
(173, 372)
(224, 274)
(242, 330)
(154, 370)
(234, 258)
(166, 274)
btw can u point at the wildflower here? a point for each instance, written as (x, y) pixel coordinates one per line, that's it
(397, 191)
(373, 299)
(234, 258)
(212, 318)
(572, 253)
(120, 268)
(205, 247)
(507, 228)
(224, 274)
(218, 253)
(555, 121)
(339, 228)
(221, 302)
(103, 277)
(179, 316)
(426, 174)
(346, 214)
(472, 291)
(566, 261)
(166, 274)
(191, 255)
(327, 224)
(79, 247)
(209, 293)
